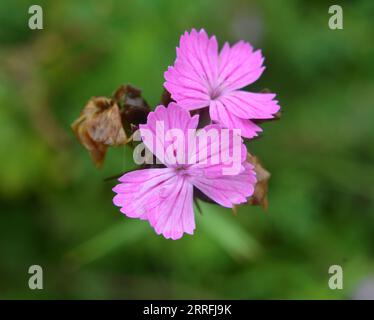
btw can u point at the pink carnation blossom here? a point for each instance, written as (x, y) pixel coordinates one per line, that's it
(202, 77)
(164, 196)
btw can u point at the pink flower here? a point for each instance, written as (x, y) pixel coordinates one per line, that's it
(202, 77)
(164, 196)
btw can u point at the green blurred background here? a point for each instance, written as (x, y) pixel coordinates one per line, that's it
(57, 212)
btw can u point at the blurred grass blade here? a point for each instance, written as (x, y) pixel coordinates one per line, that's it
(225, 229)
(121, 234)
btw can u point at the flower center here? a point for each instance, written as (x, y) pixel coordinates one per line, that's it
(215, 93)
(181, 171)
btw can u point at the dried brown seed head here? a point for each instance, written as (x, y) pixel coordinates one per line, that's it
(134, 109)
(99, 126)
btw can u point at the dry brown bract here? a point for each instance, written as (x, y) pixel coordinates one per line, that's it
(259, 196)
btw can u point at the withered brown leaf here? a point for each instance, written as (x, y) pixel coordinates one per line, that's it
(99, 126)
(259, 196)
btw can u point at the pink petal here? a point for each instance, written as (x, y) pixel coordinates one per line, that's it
(173, 215)
(227, 190)
(219, 113)
(173, 117)
(239, 66)
(248, 105)
(159, 196)
(189, 93)
(225, 187)
(195, 70)
(138, 189)
(208, 152)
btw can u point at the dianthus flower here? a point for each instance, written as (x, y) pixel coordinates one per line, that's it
(203, 77)
(164, 196)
